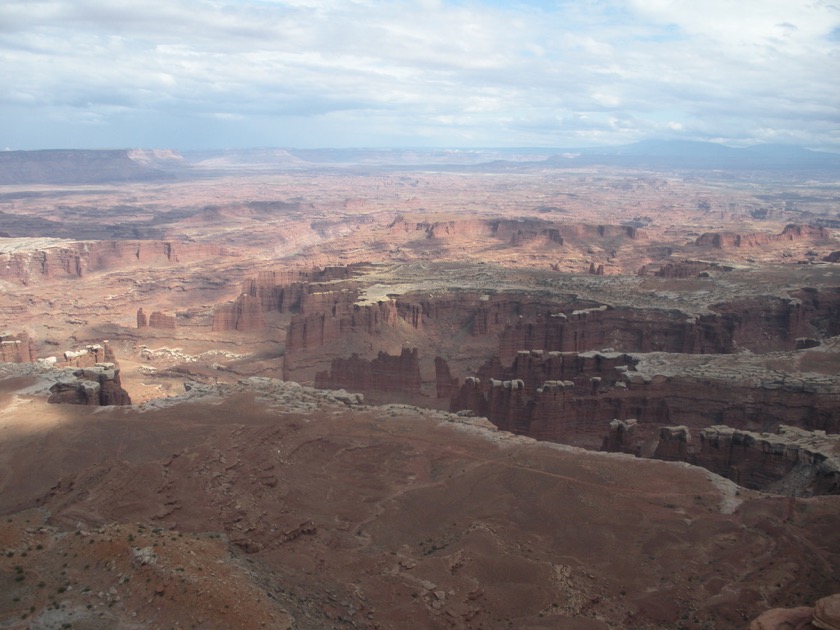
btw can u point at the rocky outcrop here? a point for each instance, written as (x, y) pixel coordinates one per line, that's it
(273, 291)
(513, 336)
(785, 619)
(446, 385)
(26, 260)
(515, 231)
(16, 348)
(792, 461)
(88, 356)
(244, 315)
(385, 373)
(827, 613)
(620, 436)
(572, 398)
(160, 321)
(682, 269)
(325, 317)
(94, 386)
(596, 271)
(824, 615)
(725, 240)
(761, 324)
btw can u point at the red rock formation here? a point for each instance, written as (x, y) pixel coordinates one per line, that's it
(385, 373)
(621, 437)
(160, 321)
(784, 461)
(80, 258)
(244, 315)
(724, 240)
(760, 324)
(16, 348)
(571, 398)
(95, 386)
(89, 356)
(596, 271)
(627, 329)
(325, 317)
(142, 320)
(683, 269)
(514, 231)
(446, 385)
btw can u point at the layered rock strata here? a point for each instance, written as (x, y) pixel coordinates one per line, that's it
(792, 232)
(792, 461)
(95, 386)
(16, 348)
(385, 373)
(28, 260)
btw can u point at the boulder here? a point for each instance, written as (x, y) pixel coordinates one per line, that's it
(827, 613)
(784, 619)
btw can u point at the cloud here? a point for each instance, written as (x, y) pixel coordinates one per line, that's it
(379, 72)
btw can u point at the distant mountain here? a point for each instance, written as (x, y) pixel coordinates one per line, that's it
(682, 154)
(69, 166)
(113, 166)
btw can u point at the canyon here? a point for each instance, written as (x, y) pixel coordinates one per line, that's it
(409, 378)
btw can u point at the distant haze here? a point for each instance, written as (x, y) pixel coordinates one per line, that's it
(204, 74)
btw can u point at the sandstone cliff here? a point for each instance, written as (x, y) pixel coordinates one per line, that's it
(792, 461)
(724, 240)
(96, 385)
(572, 397)
(28, 260)
(16, 348)
(245, 315)
(385, 373)
(156, 320)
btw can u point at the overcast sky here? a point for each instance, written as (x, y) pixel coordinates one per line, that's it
(190, 74)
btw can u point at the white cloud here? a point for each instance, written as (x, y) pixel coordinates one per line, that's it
(378, 72)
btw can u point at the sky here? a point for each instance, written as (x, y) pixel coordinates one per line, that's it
(211, 74)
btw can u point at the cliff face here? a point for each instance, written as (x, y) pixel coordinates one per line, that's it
(385, 373)
(16, 348)
(572, 398)
(244, 315)
(272, 291)
(96, 385)
(88, 376)
(493, 330)
(89, 356)
(724, 240)
(517, 232)
(446, 385)
(161, 321)
(791, 461)
(759, 324)
(156, 320)
(326, 317)
(37, 260)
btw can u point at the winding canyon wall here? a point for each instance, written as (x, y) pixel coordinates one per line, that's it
(571, 397)
(36, 260)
